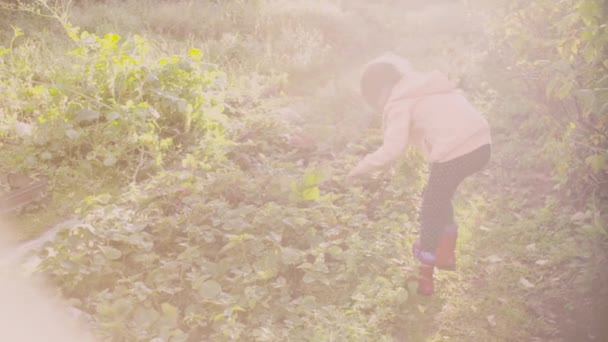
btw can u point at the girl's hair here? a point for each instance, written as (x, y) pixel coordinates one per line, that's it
(377, 78)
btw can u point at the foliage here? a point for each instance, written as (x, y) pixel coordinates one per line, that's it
(557, 54)
(227, 232)
(220, 256)
(266, 36)
(547, 76)
(223, 233)
(110, 109)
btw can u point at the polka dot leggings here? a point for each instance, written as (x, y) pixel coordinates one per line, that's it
(437, 211)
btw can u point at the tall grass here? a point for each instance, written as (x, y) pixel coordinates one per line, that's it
(310, 40)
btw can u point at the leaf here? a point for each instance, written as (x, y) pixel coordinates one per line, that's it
(170, 312)
(85, 115)
(562, 67)
(294, 187)
(237, 308)
(23, 129)
(335, 250)
(526, 283)
(589, 11)
(590, 53)
(309, 278)
(494, 259)
(195, 54)
(103, 198)
(210, 289)
(153, 80)
(155, 114)
(109, 160)
(311, 179)
(564, 90)
(491, 320)
(110, 252)
(266, 266)
(578, 216)
(550, 89)
(181, 106)
(597, 163)
(17, 32)
(72, 134)
(185, 65)
(587, 97)
(104, 309)
(291, 256)
(311, 194)
(146, 110)
(112, 116)
(411, 286)
(403, 295)
(112, 37)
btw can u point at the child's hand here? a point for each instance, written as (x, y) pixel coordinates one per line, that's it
(368, 182)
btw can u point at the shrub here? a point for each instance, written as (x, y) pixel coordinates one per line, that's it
(558, 56)
(110, 107)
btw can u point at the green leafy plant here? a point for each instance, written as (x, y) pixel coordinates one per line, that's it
(113, 109)
(178, 263)
(558, 53)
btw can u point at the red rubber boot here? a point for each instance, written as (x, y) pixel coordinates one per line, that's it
(425, 280)
(445, 254)
(426, 269)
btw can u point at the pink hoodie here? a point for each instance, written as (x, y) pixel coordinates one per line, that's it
(429, 112)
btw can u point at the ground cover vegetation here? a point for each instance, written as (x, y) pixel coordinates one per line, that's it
(203, 146)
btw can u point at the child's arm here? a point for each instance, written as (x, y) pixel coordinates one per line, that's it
(396, 137)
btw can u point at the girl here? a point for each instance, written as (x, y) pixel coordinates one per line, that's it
(430, 113)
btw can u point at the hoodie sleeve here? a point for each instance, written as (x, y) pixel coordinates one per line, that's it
(396, 130)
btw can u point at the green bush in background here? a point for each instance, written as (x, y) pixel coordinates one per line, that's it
(555, 55)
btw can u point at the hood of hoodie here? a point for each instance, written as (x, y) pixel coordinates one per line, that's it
(415, 85)
(400, 63)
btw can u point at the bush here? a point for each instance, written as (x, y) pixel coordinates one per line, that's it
(557, 54)
(110, 108)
